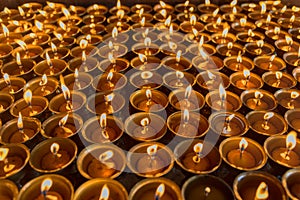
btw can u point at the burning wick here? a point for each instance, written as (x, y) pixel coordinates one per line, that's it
(112, 61)
(83, 59)
(108, 99)
(186, 117)
(243, 145)
(103, 124)
(151, 151)
(198, 150)
(239, 60)
(149, 97)
(211, 77)
(54, 148)
(262, 191)
(147, 42)
(23, 46)
(43, 82)
(258, 95)
(290, 144)
(19, 63)
(160, 191)
(104, 157)
(247, 77)
(207, 190)
(3, 158)
(67, 95)
(270, 61)
(187, 94)
(76, 77)
(229, 47)
(21, 127)
(62, 124)
(278, 75)
(222, 92)
(109, 79)
(8, 83)
(145, 123)
(179, 76)
(28, 99)
(267, 117)
(294, 96)
(260, 44)
(45, 187)
(228, 119)
(104, 193)
(50, 64)
(143, 59)
(54, 50)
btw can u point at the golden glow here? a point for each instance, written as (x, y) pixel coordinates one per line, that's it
(119, 5)
(214, 14)
(110, 76)
(219, 20)
(234, 11)
(186, 3)
(160, 191)
(179, 74)
(103, 121)
(225, 32)
(39, 25)
(201, 41)
(148, 94)
(162, 4)
(44, 80)
(28, 96)
(164, 13)
(178, 56)
(278, 75)
(63, 120)
(76, 74)
(143, 21)
(229, 118)
(114, 32)
(229, 45)
(207, 2)
(239, 58)
(168, 21)
(188, 91)
(243, 144)
(171, 29)
(50, 4)
(292, 19)
(53, 47)
(66, 12)
(186, 116)
(146, 75)
(7, 10)
(109, 97)
(262, 191)
(145, 122)
(172, 45)
(288, 40)
(151, 150)
(294, 94)
(198, 148)
(246, 73)
(260, 43)
(58, 36)
(272, 58)
(147, 42)
(83, 43)
(111, 58)
(6, 79)
(46, 185)
(21, 11)
(3, 153)
(263, 8)
(291, 140)
(120, 14)
(48, 59)
(54, 148)
(43, 13)
(83, 56)
(268, 115)
(193, 20)
(18, 59)
(258, 95)
(294, 8)
(62, 25)
(20, 122)
(5, 30)
(66, 92)
(269, 18)
(106, 156)
(243, 22)
(22, 44)
(104, 193)
(233, 3)
(142, 58)
(222, 92)
(210, 75)
(250, 33)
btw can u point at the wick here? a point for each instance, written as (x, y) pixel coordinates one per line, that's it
(242, 151)
(270, 65)
(291, 104)
(69, 105)
(265, 125)
(197, 157)
(145, 129)
(227, 127)
(222, 101)
(77, 83)
(247, 80)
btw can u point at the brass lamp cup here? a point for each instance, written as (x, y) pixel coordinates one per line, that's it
(97, 10)
(11, 128)
(8, 189)
(96, 103)
(89, 50)
(262, 24)
(279, 141)
(245, 38)
(183, 65)
(35, 51)
(181, 7)
(231, 98)
(246, 184)
(57, 102)
(20, 151)
(61, 53)
(94, 41)
(276, 36)
(43, 148)
(294, 32)
(72, 20)
(91, 130)
(153, 63)
(268, 99)
(277, 124)
(290, 182)
(207, 84)
(207, 8)
(120, 38)
(88, 66)
(104, 50)
(211, 63)
(72, 31)
(174, 37)
(60, 184)
(19, 105)
(190, 37)
(171, 80)
(120, 66)
(167, 50)
(238, 27)
(17, 83)
(77, 10)
(156, 122)
(10, 40)
(217, 124)
(6, 50)
(148, 187)
(140, 48)
(292, 59)
(286, 24)
(31, 7)
(217, 38)
(254, 147)
(257, 15)
(292, 118)
(90, 19)
(65, 42)
(195, 186)
(137, 7)
(7, 100)
(184, 152)
(41, 39)
(267, 49)
(96, 29)
(92, 189)
(92, 152)
(101, 83)
(269, 79)
(283, 98)
(34, 86)
(139, 151)
(177, 98)
(13, 69)
(50, 124)
(224, 51)
(262, 64)
(153, 80)
(84, 80)
(160, 99)
(232, 64)
(254, 79)
(176, 125)
(140, 36)
(42, 67)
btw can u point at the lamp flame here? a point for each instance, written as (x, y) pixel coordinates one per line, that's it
(198, 148)
(6, 79)
(5, 30)
(294, 94)
(188, 92)
(58, 36)
(291, 140)
(106, 156)
(66, 12)
(243, 144)
(222, 92)
(277, 30)
(148, 94)
(109, 97)
(18, 59)
(250, 33)
(269, 18)
(178, 55)
(262, 191)
(186, 116)
(54, 148)
(207, 2)
(46, 185)
(179, 74)
(21, 11)
(168, 21)
(53, 47)
(258, 95)
(263, 8)
(210, 75)
(160, 191)
(111, 58)
(28, 96)
(39, 25)
(83, 43)
(104, 193)
(243, 22)
(260, 43)
(268, 115)
(20, 122)
(214, 14)
(151, 150)
(22, 44)
(225, 32)
(66, 92)
(119, 5)
(229, 45)
(193, 20)
(142, 58)
(145, 122)
(147, 42)
(62, 25)
(3, 153)
(164, 13)
(233, 3)
(162, 4)
(63, 120)
(120, 14)
(246, 73)
(278, 75)
(288, 40)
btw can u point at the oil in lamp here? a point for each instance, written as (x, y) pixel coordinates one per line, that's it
(56, 52)
(177, 62)
(116, 37)
(243, 25)
(258, 15)
(238, 63)
(230, 49)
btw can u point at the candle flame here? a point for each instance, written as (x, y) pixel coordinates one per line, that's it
(39, 25)
(294, 8)
(178, 55)
(188, 92)
(146, 74)
(143, 21)
(198, 148)
(62, 25)
(229, 118)
(5, 30)
(43, 13)
(48, 59)
(225, 32)
(195, 33)
(243, 144)
(21, 11)
(250, 33)
(20, 122)
(6, 79)
(50, 4)
(179, 74)
(229, 45)
(83, 43)
(243, 22)
(44, 80)
(186, 115)
(294, 94)
(262, 191)
(66, 12)
(18, 59)
(66, 92)
(193, 20)
(269, 18)
(3, 153)
(203, 53)
(53, 47)
(103, 121)
(222, 92)
(145, 122)
(147, 42)
(207, 190)
(233, 3)
(272, 58)
(258, 95)
(104, 193)
(168, 21)
(76, 74)
(160, 191)
(268, 115)
(109, 97)
(110, 76)
(278, 75)
(22, 44)
(83, 56)
(207, 2)
(141, 12)
(277, 30)
(291, 140)
(214, 14)
(46, 185)
(164, 13)
(88, 37)
(288, 40)
(148, 94)
(263, 8)
(292, 19)
(171, 29)
(7, 10)
(210, 75)
(54, 148)
(172, 45)
(234, 11)
(246, 73)
(219, 20)
(58, 36)
(119, 5)
(142, 58)
(15, 22)
(260, 43)
(28, 96)
(106, 156)
(162, 4)
(120, 14)
(151, 150)
(63, 120)
(111, 58)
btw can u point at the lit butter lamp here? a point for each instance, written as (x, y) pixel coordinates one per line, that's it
(203, 45)
(93, 40)
(227, 8)
(41, 39)
(266, 23)
(93, 19)
(167, 24)
(22, 27)
(185, 16)
(83, 63)
(258, 15)
(178, 79)
(223, 38)
(276, 34)
(29, 106)
(67, 31)
(163, 14)
(53, 155)
(286, 45)
(97, 9)
(250, 36)
(19, 130)
(85, 47)
(47, 187)
(80, 81)
(61, 41)
(187, 124)
(111, 81)
(53, 7)
(258, 185)
(147, 48)
(68, 101)
(292, 118)
(68, 19)
(210, 80)
(210, 17)
(290, 182)
(103, 129)
(8, 190)
(27, 16)
(185, 7)
(230, 49)
(218, 26)
(101, 188)
(207, 7)
(197, 157)
(187, 26)
(56, 52)
(8, 37)
(119, 17)
(196, 37)
(268, 63)
(258, 99)
(146, 80)
(288, 23)
(295, 33)
(45, 18)
(77, 10)
(12, 85)
(27, 51)
(148, 100)
(244, 80)
(118, 50)
(186, 99)
(119, 7)
(243, 25)
(107, 102)
(113, 64)
(206, 187)
(150, 159)
(171, 35)
(40, 27)
(92, 29)
(62, 125)
(13, 158)
(171, 49)
(142, 25)
(50, 67)
(228, 124)
(293, 61)
(101, 161)
(283, 150)
(206, 62)
(137, 7)
(115, 37)
(144, 126)
(156, 188)
(278, 80)
(259, 48)
(178, 62)
(233, 16)
(43, 86)
(243, 153)
(223, 100)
